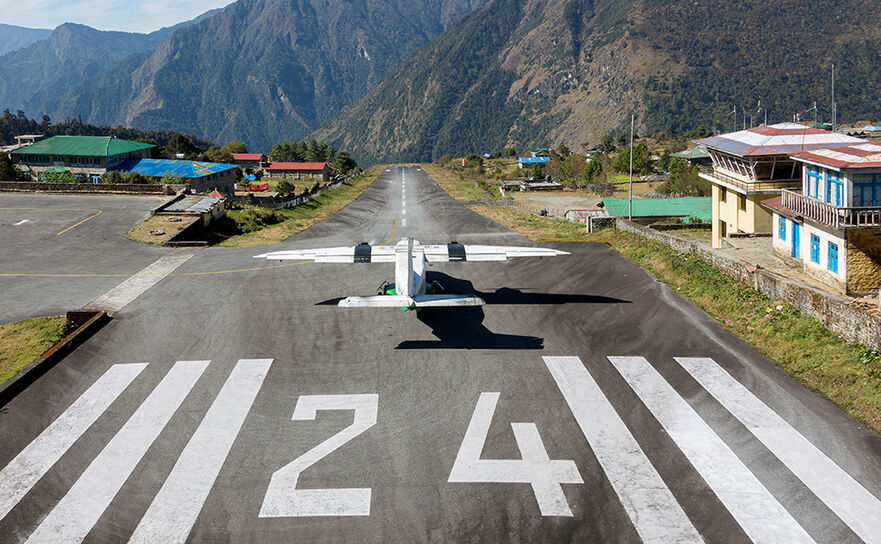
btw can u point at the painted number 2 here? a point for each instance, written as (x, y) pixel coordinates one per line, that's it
(535, 467)
(283, 499)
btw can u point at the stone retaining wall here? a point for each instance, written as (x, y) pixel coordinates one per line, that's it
(834, 311)
(90, 188)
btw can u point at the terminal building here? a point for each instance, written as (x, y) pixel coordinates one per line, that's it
(92, 156)
(754, 165)
(831, 223)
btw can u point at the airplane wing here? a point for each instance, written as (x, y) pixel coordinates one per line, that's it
(419, 301)
(455, 252)
(362, 253)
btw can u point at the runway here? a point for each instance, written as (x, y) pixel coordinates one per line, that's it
(585, 402)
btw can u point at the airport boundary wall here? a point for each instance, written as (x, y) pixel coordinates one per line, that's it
(834, 311)
(90, 188)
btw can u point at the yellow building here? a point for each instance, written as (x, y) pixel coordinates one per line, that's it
(753, 165)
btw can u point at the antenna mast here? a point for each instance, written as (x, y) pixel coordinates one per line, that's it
(834, 107)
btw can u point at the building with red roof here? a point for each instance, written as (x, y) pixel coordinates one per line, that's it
(250, 160)
(831, 223)
(754, 165)
(298, 170)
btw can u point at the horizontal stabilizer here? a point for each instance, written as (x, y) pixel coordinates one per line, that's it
(455, 252)
(419, 301)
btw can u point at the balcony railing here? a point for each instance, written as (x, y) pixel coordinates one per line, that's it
(753, 186)
(833, 216)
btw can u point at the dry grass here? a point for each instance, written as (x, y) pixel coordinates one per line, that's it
(459, 186)
(537, 229)
(163, 223)
(24, 341)
(305, 215)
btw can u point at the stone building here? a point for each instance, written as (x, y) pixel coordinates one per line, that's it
(89, 155)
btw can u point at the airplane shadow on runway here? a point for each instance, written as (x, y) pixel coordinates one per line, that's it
(463, 328)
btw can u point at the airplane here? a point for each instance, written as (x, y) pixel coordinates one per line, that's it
(411, 291)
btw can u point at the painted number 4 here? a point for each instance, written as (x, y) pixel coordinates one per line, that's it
(535, 467)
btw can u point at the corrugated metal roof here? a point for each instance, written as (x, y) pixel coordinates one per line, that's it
(300, 166)
(82, 146)
(695, 206)
(780, 139)
(698, 152)
(193, 205)
(534, 160)
(248, 156)
(156, 168)
(858, 156)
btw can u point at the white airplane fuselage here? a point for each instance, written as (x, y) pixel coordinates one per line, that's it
(409, 268)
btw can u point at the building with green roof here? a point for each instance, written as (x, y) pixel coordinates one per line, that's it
(89, 155)
(653, 210)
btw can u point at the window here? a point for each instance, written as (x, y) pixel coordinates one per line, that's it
(815, 177)
(815, 249)
(866, 190)
(833, 258)
(834, 189)
(741, 199)
(782, 227)
(723, 194)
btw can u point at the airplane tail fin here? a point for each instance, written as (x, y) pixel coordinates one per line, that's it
(419, 301)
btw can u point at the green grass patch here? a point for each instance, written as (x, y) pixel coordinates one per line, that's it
(254, 226)
(847, 374)
(22, 342)
(617, 179)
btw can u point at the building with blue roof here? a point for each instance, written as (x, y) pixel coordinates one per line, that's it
(201, 176)
(530, 161)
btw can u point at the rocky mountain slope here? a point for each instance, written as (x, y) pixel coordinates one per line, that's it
(262, 71)
(32, 77)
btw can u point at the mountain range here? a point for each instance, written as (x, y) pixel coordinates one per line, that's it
(15, 37)
(395, 80)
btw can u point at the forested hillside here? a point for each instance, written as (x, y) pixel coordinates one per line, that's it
(262, 70)
(545, 72)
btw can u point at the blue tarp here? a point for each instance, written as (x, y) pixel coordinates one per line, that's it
(156, 168)
(534, 160)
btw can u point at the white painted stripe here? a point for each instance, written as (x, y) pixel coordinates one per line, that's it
(22, 222)
(20, 475)
(120, 296)
(655, 514)
(763, 518)
(850, 501)
(175, 508)
(404, 222)
(76, 513)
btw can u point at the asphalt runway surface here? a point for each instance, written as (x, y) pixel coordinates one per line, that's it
(586, 402)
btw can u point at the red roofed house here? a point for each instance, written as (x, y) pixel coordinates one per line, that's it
(252, 160)
(833, 223)
(298, 170)
(753, 165)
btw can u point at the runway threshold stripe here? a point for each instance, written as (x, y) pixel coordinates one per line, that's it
(78, 511)
(760, 515)
(850, 501)
(20, 475)
(175, 508)
(123, 294)
(654, 512)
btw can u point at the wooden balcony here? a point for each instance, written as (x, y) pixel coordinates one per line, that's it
(833, 216)
(752, 186)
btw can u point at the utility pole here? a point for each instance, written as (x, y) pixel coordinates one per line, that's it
(834, 108)
(630, 200)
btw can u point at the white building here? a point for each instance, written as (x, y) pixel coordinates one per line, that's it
(833, 224)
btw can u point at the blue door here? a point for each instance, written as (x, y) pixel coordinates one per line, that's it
(796, 240)
(815, 249)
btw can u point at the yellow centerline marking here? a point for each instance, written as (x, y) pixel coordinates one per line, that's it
(395, 222)
(80, 223)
